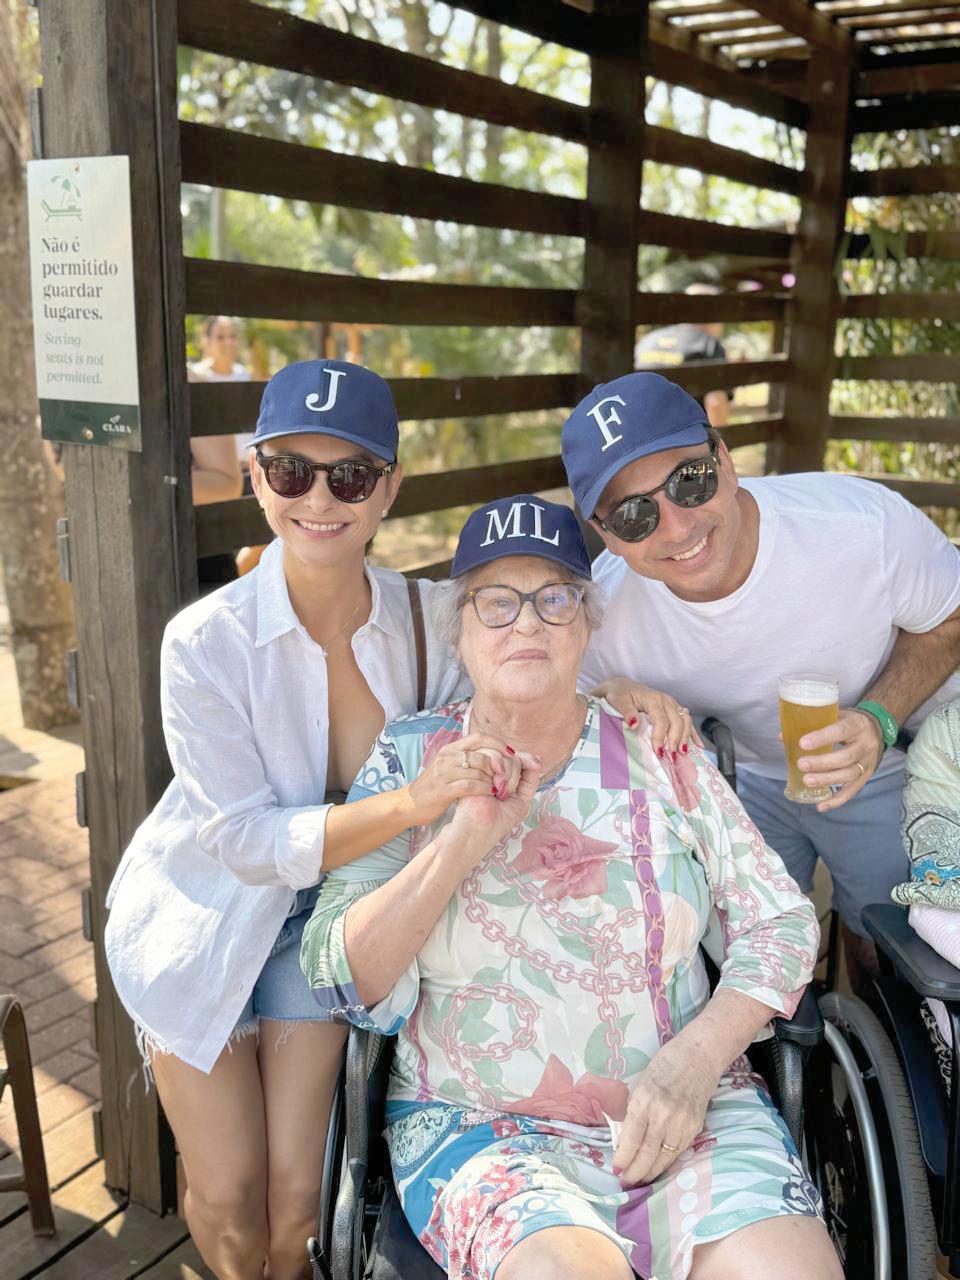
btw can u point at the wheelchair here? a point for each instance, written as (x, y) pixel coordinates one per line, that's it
(855, 1080)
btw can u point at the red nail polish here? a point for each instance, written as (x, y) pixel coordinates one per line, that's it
(633, 722)
(617, 1170)
(673, 756)
(660, 752)
(494, 792)
(510, 751)
(685, 748)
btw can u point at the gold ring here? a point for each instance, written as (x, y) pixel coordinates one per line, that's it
(665, 1146)
(860, 767)
(464, 763)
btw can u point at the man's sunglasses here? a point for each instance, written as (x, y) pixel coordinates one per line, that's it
(691, 485)
(292, 477)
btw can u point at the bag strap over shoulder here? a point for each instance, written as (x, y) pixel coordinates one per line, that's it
(420, 640)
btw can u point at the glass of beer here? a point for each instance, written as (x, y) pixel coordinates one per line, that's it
(808, 701)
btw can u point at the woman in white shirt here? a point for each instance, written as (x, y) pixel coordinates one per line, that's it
(273, 689)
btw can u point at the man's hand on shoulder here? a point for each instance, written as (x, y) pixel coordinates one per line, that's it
(858, 743)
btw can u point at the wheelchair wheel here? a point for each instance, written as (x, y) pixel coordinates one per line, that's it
(863, 1151)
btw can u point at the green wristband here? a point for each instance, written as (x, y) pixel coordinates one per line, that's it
(887, 722)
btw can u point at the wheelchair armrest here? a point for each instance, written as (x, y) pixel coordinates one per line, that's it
(805, 1028)
(722, 739)
(913, 959)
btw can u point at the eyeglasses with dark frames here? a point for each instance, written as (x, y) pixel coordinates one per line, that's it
(497, 605)
(690, 485)
(291, 476)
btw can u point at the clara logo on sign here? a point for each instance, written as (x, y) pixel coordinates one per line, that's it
(115, 427)
(64, 199)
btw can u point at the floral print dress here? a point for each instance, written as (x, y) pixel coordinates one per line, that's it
(559, 967)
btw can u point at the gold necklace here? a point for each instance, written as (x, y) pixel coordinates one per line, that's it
(324, 648)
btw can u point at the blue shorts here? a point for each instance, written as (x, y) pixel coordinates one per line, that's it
(282, 992)
(859, 842)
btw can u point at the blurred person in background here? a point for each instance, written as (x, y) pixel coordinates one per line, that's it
(680, 343)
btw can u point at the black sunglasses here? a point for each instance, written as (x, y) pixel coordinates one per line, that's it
(292, 477)
(691, 485)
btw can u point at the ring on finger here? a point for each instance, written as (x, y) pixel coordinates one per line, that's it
(464, 762)
(860, 767)
(665, 1146)
(684, 711)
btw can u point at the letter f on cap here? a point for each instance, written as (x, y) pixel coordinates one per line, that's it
(604, 422)
(335, 376)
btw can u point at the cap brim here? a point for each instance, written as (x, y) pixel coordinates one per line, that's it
(585, 571)
(374, 447)
(696, 433)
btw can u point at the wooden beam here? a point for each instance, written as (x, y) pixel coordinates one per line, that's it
(951, 38)
(109, 88)
(701, 376)
(944, 245)
(698, 238)
(802, 19)
(744, 23)
(759, 33)
(244, 162)
(922, 493)
(926, 179)
(920, 18)
(614, 178)
(931, 111)
(225, 408)
(276, 293)
(846, 13)
(811, 316)
(678, 58)
(251, 32)
(914, 430)
(667, 146)
(683, 308)
(920, 368)
(901, 306)
(771, 36)
(695, 10)
(741, 435)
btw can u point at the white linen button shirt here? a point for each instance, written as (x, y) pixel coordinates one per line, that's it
(210, 876)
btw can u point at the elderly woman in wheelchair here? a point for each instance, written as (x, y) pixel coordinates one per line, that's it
(567, 1098)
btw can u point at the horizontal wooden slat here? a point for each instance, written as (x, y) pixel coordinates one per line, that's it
(255, 33)
(802, 19)
(933, 16)
(921, 368)
(853, 13)
(244, 162)
(898, 76)
(225, 526)
(740, 435)
(698, 238)
(914, 181)
(667, 146)
(276, 293)
(677, 57)
(700, 376)
(944, 245)
(931, 111)
(222, 408)
(922, 493)
(913, 430)
(683, 308)
(901, 306)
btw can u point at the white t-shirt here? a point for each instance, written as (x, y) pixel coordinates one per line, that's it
(842, 566)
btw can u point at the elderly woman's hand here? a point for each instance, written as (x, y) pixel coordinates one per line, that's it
(672, 726)
(477, 765)
(665, 1113)
(490, 818)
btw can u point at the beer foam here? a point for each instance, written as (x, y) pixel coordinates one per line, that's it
(808, 693)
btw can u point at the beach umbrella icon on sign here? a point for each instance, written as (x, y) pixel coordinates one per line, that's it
(64, 199)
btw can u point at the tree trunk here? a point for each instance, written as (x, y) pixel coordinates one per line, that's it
(31, 492)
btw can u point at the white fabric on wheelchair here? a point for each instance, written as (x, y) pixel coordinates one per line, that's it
(940, 929)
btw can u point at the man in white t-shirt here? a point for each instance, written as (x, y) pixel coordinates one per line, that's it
(717, 586)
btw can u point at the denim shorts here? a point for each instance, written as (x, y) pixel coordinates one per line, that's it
(281, 992)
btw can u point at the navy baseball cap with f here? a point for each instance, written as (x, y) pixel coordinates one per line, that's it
(620, 421)
(523, 525)
(331, 398)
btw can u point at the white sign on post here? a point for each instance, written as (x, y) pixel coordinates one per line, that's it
(84, 327)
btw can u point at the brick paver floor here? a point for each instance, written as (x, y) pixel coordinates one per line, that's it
(44, 959)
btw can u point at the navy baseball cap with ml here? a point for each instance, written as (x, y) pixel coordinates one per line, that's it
(331, 398)
(620, 421)
(523, 525)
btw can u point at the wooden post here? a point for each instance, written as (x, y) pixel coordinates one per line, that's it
(614, 177)
(812, 313)
(109, 86)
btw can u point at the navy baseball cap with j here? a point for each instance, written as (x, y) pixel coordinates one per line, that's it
(331, 398)
(620, 421)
